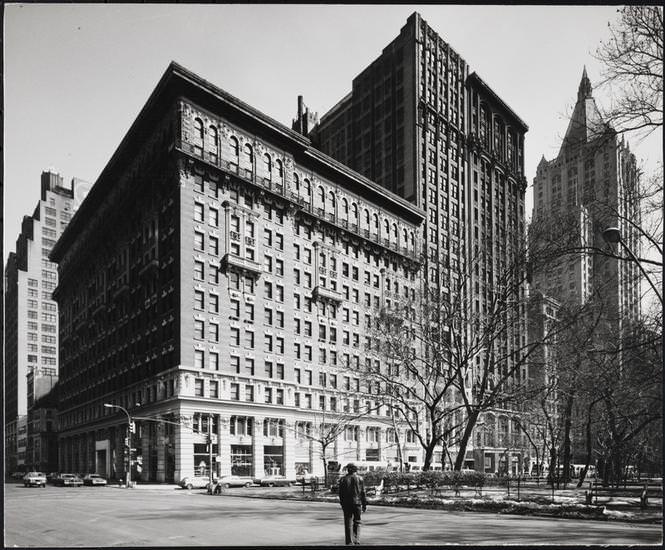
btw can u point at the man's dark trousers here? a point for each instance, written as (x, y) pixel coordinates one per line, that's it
(352, 523)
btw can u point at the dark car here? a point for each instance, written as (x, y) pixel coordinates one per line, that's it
(68, 480)
(276, 481)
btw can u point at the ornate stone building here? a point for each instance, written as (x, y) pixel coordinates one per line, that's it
(216, 283)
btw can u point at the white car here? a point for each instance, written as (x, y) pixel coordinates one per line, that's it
(194, 482)
(225, 482)
(38, 479)
(93, 479)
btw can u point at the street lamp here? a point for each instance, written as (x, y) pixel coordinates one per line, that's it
(129, 443)
(612, 235)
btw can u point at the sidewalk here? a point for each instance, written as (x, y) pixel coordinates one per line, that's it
(141, 485)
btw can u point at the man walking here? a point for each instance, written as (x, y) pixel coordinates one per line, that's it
(352, 498)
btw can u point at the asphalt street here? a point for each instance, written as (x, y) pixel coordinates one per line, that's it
(110, 516)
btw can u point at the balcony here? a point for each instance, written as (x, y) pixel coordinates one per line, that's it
(327, 294)
(231, 261)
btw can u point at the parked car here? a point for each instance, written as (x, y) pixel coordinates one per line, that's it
(225, 482)
(37, 479)
(68, 480)
(194, 482)
(93, 479)
(17, 475)
(304, 477)
(276, 481)
(50, 478)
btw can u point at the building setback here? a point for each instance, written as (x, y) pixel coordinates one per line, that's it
(220, 274)
(593, 183)
(31, 323)
(421, 126)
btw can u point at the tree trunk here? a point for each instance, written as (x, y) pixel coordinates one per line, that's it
(589, 440)
(566, 438)
(468, 432)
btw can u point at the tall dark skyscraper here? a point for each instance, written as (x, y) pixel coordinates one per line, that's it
(418, 123)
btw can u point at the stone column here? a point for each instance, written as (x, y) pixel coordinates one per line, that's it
(361, 448)
(289, 449)
(184, 452)
(381, 445)
(257, 447)
(145, 451)
(161, 442)
(224, 445)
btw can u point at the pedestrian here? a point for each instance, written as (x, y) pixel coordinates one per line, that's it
(353, 501)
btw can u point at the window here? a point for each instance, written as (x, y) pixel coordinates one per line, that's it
(198, 387)
(279, 396)
(214, 389)
(199, 329)
(198, 240)
(214, 245)
(213, 303)
(279, 371)
(249, 366)
(249, 393)
(198, 359)
(198, 299)
(249, 339)
(235, 364)
(267, 393)
(213, 360)
(235, 391)
(198, 212)
(235, 336)
(199, 270)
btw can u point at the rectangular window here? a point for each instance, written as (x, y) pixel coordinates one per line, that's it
(214, 389)
(199, 242)
(235, 364)
(198, 299)
(214, 245)
(198, 387)
(249, 393)
(249, 312)
(213, 360)
(213, 303)
(235, 336)
(199, 270)
(249, 339)
(213, 332)
(249, 366)
(199, 329)
(235, 391)
(198, 359)
(279, 396)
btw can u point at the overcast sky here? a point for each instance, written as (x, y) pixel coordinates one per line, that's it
(76, 76)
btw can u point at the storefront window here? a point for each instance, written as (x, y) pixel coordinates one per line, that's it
(241, 460)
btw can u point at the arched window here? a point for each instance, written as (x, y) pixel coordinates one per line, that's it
(395, 233)
(213, 145)
(405, 238)
(235, 149)
(333, 202)
(267, 166)
(412, 241)
(296, 182)
(375, 224)
(280, 170)
(249, 155)
(306, 190)
(366, 219)
(354, 212)
(321, 198)
(345, 209)
(386, 229)
(198, 128)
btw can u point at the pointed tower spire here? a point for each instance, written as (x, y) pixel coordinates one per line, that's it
(584, 91)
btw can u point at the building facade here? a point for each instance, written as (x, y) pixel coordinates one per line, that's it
(31, 315)
(591, 185)
(594, 181)
(216, 284)
(420, 125)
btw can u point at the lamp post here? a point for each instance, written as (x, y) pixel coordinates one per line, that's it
(128, 440)
(612, 235)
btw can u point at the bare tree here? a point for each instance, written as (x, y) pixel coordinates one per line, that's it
(633, 69)
(447, 360)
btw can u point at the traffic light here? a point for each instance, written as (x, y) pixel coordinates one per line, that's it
(132, 427)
